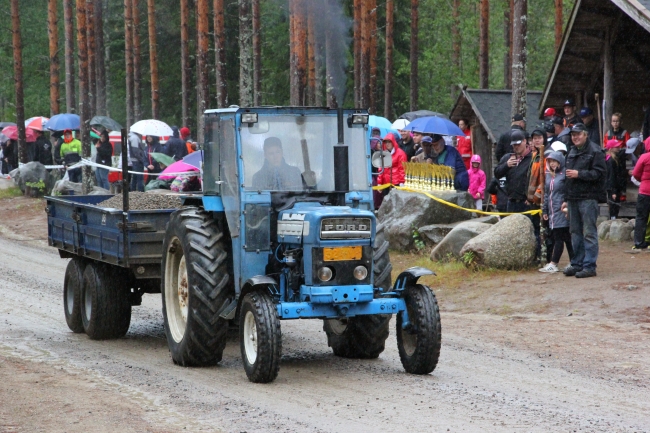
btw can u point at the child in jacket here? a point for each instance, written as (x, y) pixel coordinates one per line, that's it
(477, 181)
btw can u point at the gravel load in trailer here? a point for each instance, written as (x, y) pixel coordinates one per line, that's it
(144, 201)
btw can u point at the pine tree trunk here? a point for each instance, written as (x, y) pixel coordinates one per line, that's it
(357, 52)
(220, 53)
(331, 63)
(153, 59)
(100, 54)
(311, 57)
(519, 52)
(245, 54)
(185, 62)
(257, 54)
(137, 63)
(84, 112)
(92, 61)
(558, 24)
(507, 57)
(372, 56)
(128, 58)
(388, 72)
(484, 54)
(70, 91)
(18, 80)
(298, 56)
(364, 70)
(203, 27)
(414, 55)
(53, 34)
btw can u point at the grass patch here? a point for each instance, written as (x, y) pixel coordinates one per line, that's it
(12, 192)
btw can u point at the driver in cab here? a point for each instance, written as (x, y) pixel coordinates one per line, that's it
(276, 174)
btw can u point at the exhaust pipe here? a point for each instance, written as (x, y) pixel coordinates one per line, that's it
(341, 167)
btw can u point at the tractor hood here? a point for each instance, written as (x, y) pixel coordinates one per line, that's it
(316, 224)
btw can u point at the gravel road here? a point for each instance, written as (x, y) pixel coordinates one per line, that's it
(480, 385)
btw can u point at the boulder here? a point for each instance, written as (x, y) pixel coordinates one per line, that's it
(435, 233)
(509, 244)
(603, 229)
(403, 211)
(65, 187)
(32, 176)
(99, 191)
(619, 231)
(457, 238)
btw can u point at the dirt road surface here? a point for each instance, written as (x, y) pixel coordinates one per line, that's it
(533, 372)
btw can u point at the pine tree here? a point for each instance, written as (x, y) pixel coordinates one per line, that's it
(53, 34)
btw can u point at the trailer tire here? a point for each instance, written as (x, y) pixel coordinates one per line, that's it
(105, 305)
(419, 346)
(260, 337)
(361, 337)
(72, 287)
(195, 288)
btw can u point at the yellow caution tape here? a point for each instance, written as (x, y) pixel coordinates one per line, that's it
(439, 200)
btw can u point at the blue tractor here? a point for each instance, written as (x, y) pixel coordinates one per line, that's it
(285, 230)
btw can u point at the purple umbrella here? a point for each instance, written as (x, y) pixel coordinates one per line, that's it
(194, 158)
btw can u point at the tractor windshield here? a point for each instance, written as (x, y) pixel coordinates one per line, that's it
(295, 153)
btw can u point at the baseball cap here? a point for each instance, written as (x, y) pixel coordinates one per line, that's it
(613, 143)
(585, 111)
(578, 127)
(427, 139)
(549, 112)
(557, 120)
(569, 101)
(518, 118)
(558, 146)
(517, 136)
(184, 131)
(631, 145)
(538, 131)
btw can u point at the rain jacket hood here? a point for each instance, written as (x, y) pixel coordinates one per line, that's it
(390, 137)
(477, 179)
(395, 174)
(558, 157)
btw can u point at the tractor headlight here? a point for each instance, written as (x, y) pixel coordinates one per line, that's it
(249, 118)
(325, 274)
(360, 273)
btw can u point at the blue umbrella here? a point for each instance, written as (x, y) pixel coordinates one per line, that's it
(435, 125)
(194, 158)
(62, 121)
(384, 125)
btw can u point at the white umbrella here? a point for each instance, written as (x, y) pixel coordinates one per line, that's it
(152, 127)
(400, 124)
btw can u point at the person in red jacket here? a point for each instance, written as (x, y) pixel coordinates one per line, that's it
(394, 175)
(464, 145)
(641, 173)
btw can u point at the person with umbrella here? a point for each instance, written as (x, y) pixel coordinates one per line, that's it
(449, 156)
(9, 156)
(103, 157)
(136, 161)
(71, 154)
(153, 166)
(43, 149)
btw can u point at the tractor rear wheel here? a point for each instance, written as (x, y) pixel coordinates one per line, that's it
(72, 286)
(419, 345)
(196, 287)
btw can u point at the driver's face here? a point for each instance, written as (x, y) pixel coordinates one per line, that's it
(273, 155)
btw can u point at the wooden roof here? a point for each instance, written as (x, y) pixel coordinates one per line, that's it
(578, 65)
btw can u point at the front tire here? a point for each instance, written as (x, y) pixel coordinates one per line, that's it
(105, 305)
(260, 337)
(419, 346)
(196, 287)
(72, 287)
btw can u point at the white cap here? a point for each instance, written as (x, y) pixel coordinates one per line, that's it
(631, 145)
(558, 146)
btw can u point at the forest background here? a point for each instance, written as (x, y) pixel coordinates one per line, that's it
(437, 77)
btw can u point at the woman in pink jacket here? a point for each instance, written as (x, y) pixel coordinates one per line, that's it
(477, 181)
(641, 173)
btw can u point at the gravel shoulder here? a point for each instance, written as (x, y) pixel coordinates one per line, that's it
(526, 368)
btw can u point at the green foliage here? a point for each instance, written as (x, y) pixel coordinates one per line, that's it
(417, 238)
(14, 191)
(40, 185)
(436, 74)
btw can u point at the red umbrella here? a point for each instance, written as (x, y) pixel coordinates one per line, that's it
(12, 133)
(38, 123)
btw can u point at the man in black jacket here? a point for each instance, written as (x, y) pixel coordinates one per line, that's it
(515, 167)
(588, 119)
(503, 145)
(408, 145)
(43, 149)
(570, 116)
(175, 147)
(585, 186)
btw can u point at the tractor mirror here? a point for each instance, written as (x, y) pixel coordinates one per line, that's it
(261, 127)
(382, 159)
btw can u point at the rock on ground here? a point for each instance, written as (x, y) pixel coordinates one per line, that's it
(433, 234)
(30, 173)
(402, 211)
(509, 244)
(620, 230)
(457, 238)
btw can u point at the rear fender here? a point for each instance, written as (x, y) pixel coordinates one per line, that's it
(410, 277)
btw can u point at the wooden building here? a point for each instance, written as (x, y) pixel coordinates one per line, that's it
(605, 50)
(488, 114)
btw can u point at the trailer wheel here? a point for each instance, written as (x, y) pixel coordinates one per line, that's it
(196, 287)
(364, 336)
(357, 337)
(419, 346)
(72, 286)
(260, 337)
(105, 306)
